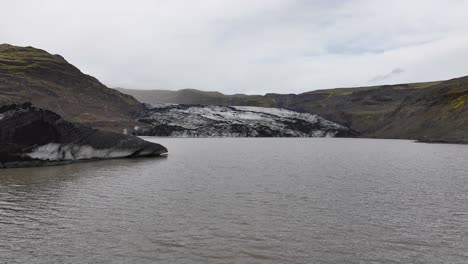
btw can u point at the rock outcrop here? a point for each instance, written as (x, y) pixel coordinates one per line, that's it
(236, 121)
(35, 137)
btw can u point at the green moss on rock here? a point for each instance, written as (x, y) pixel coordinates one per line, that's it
(459, 102)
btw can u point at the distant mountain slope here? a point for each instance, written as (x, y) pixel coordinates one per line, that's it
(193, 96)
(438, 113)
(50, 82)
(362, 109)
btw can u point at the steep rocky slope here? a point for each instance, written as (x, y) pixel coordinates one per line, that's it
(236, 121)
(34, 137)
(48, 81)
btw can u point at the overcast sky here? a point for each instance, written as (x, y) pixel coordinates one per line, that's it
(247, 46)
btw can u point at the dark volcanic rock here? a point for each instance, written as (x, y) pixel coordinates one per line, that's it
(33, 137)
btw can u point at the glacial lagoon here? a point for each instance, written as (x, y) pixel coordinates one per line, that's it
(244, 200)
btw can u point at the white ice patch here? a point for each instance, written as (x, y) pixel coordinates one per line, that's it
(59, 152)
(284, 113)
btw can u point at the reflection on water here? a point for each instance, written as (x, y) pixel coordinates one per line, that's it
(42, 175)
(244, 201)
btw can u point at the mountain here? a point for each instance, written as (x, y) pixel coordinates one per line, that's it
(436, 114)
(430, 111)
(236, 121)
(48, 81)
(363, 109)
(193, 96)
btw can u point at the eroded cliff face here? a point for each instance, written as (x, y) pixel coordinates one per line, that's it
(34, 137)
(236, 121)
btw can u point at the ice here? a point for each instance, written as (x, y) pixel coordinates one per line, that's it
(60, 152)
(238, 121)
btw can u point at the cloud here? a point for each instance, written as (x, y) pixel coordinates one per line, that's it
(246, 46)
(385, 77)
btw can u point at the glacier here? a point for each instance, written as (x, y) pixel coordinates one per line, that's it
(235, 121)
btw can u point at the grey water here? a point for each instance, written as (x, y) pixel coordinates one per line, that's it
(225, 200)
